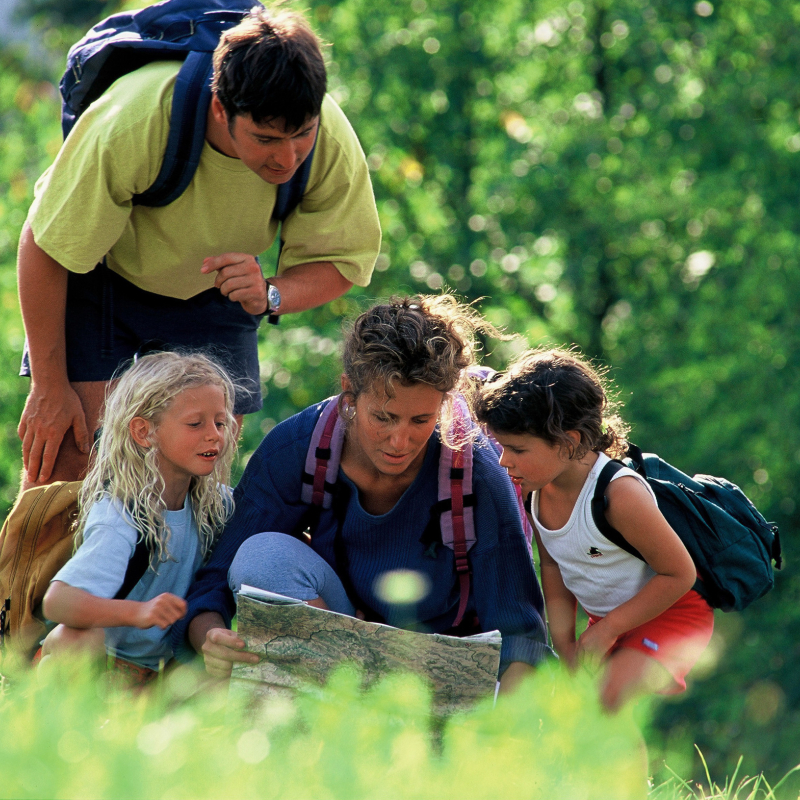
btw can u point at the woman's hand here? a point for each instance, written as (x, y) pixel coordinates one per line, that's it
(160, 612)
(221, 649)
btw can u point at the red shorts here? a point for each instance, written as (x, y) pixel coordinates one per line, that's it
(675, 638)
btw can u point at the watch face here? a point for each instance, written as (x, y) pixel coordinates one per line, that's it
(273, 298)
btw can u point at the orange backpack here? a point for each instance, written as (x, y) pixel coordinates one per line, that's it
(35, 542)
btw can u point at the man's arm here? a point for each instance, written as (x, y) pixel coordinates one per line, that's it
(304, 286)
(52, 407)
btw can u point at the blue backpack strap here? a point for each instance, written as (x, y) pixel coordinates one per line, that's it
(137, 566)
(599, 505)
(291, 193)
(187, 132)
(289, 196)
(182, 30)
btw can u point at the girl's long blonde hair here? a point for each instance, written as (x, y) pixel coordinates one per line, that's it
(125, 471)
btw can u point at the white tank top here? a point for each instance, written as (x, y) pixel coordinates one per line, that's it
(601, 575)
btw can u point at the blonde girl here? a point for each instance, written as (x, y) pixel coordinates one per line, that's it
(160, 474)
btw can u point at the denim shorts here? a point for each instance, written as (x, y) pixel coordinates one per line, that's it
(109, 320)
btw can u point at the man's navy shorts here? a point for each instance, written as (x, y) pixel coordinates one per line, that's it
(109, 321)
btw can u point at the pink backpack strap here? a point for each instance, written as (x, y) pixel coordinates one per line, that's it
(323, 456)
(455, 484)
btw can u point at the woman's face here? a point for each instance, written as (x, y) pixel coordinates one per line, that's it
(391, 433)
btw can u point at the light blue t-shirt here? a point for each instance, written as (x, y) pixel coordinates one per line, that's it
(99, 566)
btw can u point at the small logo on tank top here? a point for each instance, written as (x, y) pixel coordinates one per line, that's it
(594, 552)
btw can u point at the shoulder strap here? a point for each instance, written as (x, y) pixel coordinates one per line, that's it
(289, 196)
(600, 503)
(456, 500)
(137, 566)
(323, 457)
(187, 132)
(291, 193)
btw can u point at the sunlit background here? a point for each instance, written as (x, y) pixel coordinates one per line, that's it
(620, 175)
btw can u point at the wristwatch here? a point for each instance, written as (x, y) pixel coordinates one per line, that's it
(273, 303)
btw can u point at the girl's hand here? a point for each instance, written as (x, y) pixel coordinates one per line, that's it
(595, 642)
(161, 611)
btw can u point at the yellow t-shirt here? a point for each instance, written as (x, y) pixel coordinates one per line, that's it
(82, 208)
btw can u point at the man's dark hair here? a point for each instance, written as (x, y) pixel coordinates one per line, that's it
(270, 66)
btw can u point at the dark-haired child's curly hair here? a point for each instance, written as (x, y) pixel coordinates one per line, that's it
(546, 393)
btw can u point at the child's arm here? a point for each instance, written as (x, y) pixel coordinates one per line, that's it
(560, 605)
(633, 512)
(77, 608)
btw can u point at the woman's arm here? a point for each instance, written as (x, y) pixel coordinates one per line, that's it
(220, 647)
(515, 673)
(506, 591)
(634, 513)
(77, 608)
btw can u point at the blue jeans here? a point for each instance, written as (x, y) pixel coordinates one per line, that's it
(282, 564)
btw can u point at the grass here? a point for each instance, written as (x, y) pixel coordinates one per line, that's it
(71, 734)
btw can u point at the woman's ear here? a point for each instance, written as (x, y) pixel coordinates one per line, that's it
(140, 431)
(575, 438)
(346, 385)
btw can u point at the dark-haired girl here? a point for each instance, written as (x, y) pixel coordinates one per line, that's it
(551, 413)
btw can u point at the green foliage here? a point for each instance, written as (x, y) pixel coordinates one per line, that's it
(615, 173)
(186, 738)
(189, 741)
(29, 139)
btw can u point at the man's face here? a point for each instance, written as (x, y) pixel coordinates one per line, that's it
(268, 149)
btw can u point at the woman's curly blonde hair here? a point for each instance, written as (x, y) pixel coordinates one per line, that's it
(128, 472)
(429, 339)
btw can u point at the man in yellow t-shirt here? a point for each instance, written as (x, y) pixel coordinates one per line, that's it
(185, 274)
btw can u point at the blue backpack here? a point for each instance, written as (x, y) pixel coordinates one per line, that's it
(731, 544)
(183, 30)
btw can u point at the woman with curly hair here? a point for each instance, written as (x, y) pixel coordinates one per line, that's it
(405, 362)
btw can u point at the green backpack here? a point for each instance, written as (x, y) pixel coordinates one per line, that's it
(732, 545)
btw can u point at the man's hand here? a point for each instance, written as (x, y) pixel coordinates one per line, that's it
(160, 612)
(240, 279)
(48, 414)
(221, 649)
